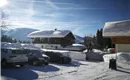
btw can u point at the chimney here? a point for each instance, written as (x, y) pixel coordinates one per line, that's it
(55, 29)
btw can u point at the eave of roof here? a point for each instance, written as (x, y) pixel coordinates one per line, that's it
(118, 28)
(48, 34)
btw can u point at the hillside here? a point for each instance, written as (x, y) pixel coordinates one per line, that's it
(21, 34)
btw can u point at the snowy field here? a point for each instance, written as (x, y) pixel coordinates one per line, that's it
(78, 70)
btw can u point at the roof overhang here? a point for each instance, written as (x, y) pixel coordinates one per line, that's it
(117, 29)
(49, 34)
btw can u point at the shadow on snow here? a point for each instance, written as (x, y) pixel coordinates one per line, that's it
(124, 70)
(19, 73)
(48, 68)
(26, 73)
(74, 63)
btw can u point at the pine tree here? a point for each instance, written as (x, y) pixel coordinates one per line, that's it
(101, 41)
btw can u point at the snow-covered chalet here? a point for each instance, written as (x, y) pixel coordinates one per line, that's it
(52, 38)
(119, 32)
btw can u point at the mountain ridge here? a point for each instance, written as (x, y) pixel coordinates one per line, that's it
(21, 34)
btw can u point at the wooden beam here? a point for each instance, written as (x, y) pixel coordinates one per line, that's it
(116, 36)
(121, 40)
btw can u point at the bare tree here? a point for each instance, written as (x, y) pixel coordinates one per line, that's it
(3, 23)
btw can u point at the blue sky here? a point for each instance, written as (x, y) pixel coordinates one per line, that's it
(82, 17)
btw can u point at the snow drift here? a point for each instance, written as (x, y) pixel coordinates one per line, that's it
(123, 59)
(107, 57)
(74, 47)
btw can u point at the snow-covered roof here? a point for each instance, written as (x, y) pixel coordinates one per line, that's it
(119, 28)
(78, 45)
(60, 51)
(49, 33)
(63, 52)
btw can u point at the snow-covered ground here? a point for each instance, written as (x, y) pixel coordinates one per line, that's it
(78, 70)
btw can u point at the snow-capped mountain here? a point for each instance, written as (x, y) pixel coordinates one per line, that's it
(78, 39)
(2, 32)
(21, 34)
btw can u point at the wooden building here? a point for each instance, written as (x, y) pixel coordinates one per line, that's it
(52, 39)
(119, 32)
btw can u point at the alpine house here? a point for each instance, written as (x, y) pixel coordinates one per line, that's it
(119, 32)
(52, 38)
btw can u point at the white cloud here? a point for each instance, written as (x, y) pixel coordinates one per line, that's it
(52, 4)
(56, 15)
(20, 11)
(69, 6)
(45, 24)
(20, 7)
(19, 16)
(58, 5)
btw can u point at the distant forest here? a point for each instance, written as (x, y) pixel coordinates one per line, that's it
(5, 38)
(98, 41)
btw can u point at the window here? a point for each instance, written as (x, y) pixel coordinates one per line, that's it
(17, 52)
